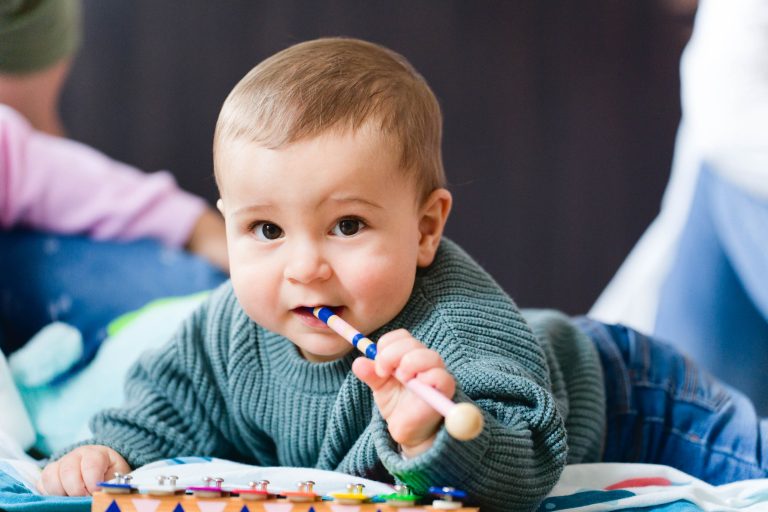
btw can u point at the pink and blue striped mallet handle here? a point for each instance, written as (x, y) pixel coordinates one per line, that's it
(463, 421)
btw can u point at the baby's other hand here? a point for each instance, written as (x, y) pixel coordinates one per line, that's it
(412, 423)
(78, 472)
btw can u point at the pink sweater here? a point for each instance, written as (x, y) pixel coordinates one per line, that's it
(59, 185)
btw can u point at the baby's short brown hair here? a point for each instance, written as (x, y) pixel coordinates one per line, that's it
(339, 84)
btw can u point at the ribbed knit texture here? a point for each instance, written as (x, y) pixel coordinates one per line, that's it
(226, 387)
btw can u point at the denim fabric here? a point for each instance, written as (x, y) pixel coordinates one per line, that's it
(86, 283)
(662, 409)
(714, 302)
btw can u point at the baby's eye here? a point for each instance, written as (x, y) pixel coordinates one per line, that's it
(267, 231)
(348, 227)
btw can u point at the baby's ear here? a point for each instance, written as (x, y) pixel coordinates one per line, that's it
(432, 218)
(220, 206)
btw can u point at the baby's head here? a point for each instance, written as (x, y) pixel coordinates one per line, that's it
(328, 161)
(338, 85)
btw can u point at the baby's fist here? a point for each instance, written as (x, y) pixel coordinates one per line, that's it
(411, 422)
(78, 472)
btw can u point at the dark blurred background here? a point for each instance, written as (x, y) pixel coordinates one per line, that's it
(560, 116)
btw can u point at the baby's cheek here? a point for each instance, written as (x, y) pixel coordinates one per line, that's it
(373, 272)
(369, 276)
(383, 285)
(256, 290)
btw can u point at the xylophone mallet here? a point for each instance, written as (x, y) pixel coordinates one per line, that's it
(463, 421)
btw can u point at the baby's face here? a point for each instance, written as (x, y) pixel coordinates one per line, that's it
(329, 221)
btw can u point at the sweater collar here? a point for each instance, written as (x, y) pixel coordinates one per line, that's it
(292, 369)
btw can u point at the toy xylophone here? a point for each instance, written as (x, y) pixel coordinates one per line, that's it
(119, 495)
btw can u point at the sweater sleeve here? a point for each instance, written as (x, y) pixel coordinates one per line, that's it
(512, 464)
(500, 365)
(60, 185)
(176, 401)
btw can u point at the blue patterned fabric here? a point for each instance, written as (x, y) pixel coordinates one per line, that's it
(15, 496)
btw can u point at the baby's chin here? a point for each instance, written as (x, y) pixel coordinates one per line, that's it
(318, 355)
(319, 346)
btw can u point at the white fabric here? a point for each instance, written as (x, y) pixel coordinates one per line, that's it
(50, 352)
(15, 426)
(747, 495)
(16, 463)
(724, 80)
(20, 467)
(191, 472)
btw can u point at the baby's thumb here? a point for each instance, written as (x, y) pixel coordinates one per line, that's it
(101, 466)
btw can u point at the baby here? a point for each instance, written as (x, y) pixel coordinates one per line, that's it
(328, 163)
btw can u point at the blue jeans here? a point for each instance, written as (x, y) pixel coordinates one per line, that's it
(662, 409)
(86, 283)
(714, 301)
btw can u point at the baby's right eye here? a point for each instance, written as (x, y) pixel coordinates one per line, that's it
(266, 231)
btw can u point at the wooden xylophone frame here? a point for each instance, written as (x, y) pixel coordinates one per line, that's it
(138, 502)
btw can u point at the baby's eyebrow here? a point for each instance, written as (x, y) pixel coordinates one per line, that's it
(354, 200)
(267, 208)
(254, 208)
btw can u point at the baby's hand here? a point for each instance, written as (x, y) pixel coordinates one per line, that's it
(78, 472)
(411, 422)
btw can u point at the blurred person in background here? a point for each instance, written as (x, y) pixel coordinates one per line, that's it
(83, 238)
(698, 274)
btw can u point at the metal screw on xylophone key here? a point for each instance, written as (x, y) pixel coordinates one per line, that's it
(256, 491)
(304, 494)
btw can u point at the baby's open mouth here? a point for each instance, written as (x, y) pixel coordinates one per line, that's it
(305, 312)
(336, 309)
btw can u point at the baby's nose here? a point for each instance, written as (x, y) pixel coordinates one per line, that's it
(307, 264)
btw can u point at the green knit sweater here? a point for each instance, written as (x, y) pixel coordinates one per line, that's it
(226, 387)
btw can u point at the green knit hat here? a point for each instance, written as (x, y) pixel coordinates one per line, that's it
(35, 34)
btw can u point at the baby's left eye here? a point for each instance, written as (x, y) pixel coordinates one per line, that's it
(348, 227)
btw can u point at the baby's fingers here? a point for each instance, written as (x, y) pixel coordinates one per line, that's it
(440, 379)
(49, 480)
(71, 477)
(391, 348)
(94, 466)
(365, 370)
(417, 360)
